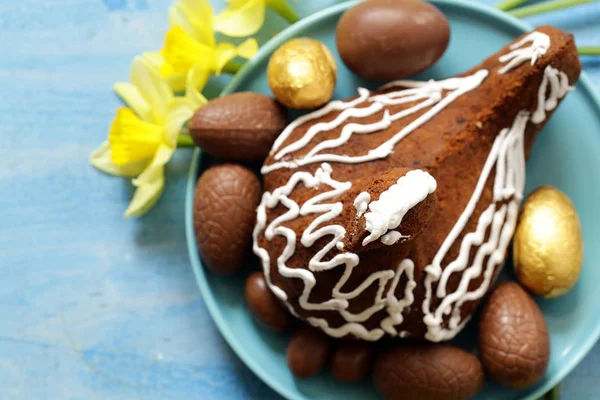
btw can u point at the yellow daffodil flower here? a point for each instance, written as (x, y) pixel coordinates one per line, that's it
(143, 138)
(246, 17)
(182, 51)
(191, 43)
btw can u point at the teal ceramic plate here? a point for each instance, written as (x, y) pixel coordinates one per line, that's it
(566, 155)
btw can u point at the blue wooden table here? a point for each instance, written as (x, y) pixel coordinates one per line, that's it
(93, 306)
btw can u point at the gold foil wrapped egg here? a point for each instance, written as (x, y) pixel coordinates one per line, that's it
(548, 247)
(302, 73)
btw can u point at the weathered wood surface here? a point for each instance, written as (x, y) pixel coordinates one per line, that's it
(93, 306)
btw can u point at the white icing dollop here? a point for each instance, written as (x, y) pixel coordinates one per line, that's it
(361, 202)
(539, 45)
(392, 238)
(387, 212)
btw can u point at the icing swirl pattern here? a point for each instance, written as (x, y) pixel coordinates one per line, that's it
(480, 251)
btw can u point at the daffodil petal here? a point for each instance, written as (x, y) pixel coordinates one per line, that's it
(132, 96)
(145, 197)
(175, 81)
(151, 85)
(202, 10)
(197, 77)
(154, 59)
(196, 80)
(199, 7)
(182, 51)
(225, 53)
(161, 158)
(248, 49)
(150, 184)
(241, 18)
(178, 16)
(101, 159)
(205, 34)
(196, 18)
(180, 111)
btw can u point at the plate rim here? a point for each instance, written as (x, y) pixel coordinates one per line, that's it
(248, 67)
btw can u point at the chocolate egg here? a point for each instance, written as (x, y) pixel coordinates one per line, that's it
(302, 73)
(391, 39)
(263, 304)
(352, 361)
(225, 201)
(308, 352)
(427, 372)
(240, 126)
(513, 338)
(548, 245)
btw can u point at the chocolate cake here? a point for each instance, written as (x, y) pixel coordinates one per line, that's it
(390, 214)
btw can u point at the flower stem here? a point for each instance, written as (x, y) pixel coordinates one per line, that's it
(589, 50)
(232, 67)
(546, 7)
(185, 141)
(282, 8)
(510, 4)
(553, 394)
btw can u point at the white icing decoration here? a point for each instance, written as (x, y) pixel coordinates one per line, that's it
(347, 131)
(313, 233)
(387, 212)
(539, 45)
(430, 91)
(353, 328)
(392, 238)
(507, 155)
(506, 158)
(559, 87)
(396, 307)
(361, 202)
(332, 106)
(280, 196)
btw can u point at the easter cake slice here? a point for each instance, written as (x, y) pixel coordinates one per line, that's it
(389, 214)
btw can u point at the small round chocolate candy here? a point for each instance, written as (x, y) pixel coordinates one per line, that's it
(391, 39)
(308, 352)
(264, 305)
(352, 361)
